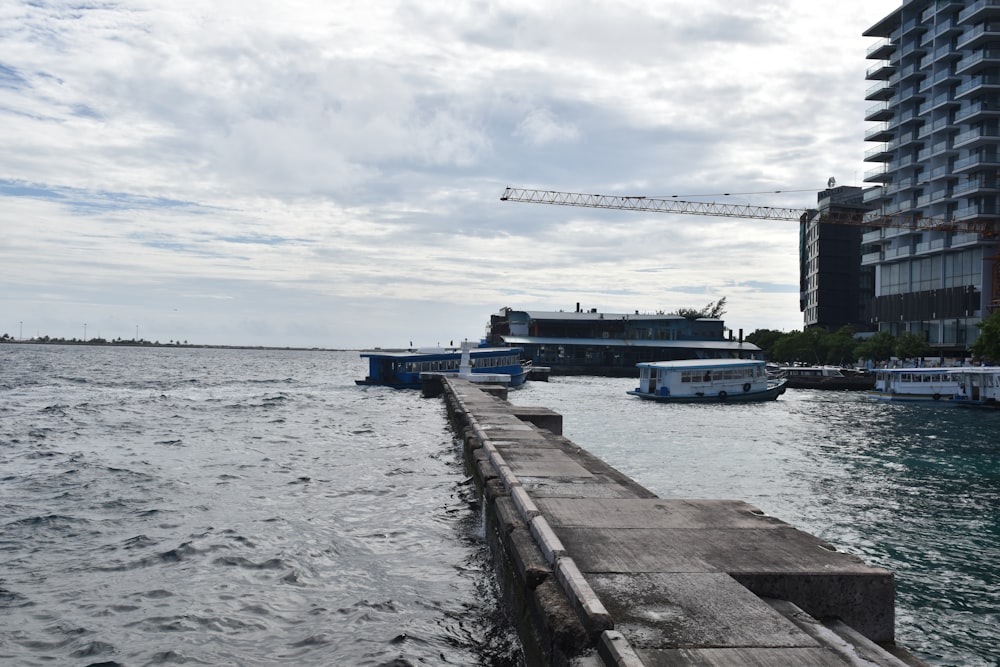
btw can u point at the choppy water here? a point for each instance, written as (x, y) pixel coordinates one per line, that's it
(249, 507)
(913, 488)
(232, 507)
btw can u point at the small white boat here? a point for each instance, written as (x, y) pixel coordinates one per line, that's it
(916, 384)
(706, 380)
(978, 387)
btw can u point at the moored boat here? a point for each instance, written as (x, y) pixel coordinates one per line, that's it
(978, 387)
(825, 377)
(916, 384)
(706, 380)
(402, 369)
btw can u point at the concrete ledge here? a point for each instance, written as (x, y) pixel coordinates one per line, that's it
(550, 545)
(593, 614)
(615, 651)
(541, 417)
(525, 505)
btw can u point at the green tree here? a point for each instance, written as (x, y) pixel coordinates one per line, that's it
(713, 310)
(877, 348)
(765, 340)
(840, 346)
(987, 345)
(911, 345)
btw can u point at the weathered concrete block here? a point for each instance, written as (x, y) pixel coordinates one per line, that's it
(583, 598)
(550, 545)
(615, 651)
(525, 505)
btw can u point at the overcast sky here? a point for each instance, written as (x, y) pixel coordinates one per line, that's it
(328, 173)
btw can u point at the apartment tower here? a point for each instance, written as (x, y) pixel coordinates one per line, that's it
(936, 115)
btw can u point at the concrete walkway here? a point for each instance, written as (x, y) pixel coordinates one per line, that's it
(599, 571)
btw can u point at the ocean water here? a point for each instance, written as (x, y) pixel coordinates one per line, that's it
(233, 507)
(912, 488)
(254, 507)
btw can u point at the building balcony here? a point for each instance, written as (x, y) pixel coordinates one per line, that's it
(943, 54)
(976, 162)
(874, 195)
(978, 11)
(964, 239)
(880, 132)
(978, 35)
(879, 175)
(873, 236)
(880, 50)
(977, 211)
(938, 173)
(879, 112)
(905, 74)
(935, 245)
(907, 116)
(939, 102)
(940, 148)
(880, 91)
(912, 49)
(943, 76)
(989, 83)
(881, 153)
(976, 111)
(881, 70)
(976, 187)
(978, 60)
(897, 253)
(977, 136)
(871, 259)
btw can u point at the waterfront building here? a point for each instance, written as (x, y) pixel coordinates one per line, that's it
(835, 290)
(936, 130)
(595, 343)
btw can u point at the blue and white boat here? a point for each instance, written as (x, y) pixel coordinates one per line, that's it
(916, 384)
(402, 368)
(978, 386)
(707, 380)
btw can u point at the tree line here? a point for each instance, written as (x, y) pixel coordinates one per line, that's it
(817, 346)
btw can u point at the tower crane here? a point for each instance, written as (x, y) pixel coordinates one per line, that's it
(984, 226)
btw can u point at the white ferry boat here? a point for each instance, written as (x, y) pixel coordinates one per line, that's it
(978, 387)
(706, 380)
(916, 384)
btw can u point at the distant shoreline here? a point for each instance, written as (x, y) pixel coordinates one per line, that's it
(144, 343)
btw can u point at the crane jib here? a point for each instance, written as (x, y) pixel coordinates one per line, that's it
(985, 226)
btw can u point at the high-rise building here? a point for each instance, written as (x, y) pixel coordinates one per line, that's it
(834, 289)
(936, 94)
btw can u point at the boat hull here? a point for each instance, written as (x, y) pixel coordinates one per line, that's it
(769, 394)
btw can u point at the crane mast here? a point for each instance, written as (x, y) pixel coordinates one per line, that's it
(662, 205)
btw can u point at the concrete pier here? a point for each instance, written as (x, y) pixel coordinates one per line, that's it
(597, 570)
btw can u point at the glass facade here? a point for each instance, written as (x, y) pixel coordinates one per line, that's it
(936, 128)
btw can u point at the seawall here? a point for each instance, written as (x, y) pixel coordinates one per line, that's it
(597, 570)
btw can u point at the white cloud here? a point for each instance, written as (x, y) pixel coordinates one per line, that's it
(336, 167)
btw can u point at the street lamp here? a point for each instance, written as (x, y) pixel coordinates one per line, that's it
(84, 332)
(22, 331)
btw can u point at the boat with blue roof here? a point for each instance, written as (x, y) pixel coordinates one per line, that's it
(707, 381)
(402, 369)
